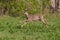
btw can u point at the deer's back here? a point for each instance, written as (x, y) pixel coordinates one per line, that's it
(34, 17)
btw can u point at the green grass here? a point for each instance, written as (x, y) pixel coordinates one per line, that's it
(10, 29)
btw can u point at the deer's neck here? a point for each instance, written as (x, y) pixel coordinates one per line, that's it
(26, 14)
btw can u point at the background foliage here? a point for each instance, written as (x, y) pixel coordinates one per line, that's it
(17, 7)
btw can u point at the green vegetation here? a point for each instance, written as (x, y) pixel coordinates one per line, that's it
(10, 29)
(16, 7)
(11, 19)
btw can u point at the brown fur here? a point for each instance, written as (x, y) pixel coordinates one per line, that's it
(30, 18)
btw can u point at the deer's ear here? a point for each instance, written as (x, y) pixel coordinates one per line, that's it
(26, 9)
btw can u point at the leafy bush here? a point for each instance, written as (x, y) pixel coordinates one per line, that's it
(17, 7)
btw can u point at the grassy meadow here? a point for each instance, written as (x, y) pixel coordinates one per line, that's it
(11, 29)
(11, 25)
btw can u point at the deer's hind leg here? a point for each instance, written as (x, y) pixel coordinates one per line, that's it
(43, 21)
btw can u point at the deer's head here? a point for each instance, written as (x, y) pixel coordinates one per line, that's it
(26, 12)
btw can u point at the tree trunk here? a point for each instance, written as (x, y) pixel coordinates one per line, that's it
(56, 5)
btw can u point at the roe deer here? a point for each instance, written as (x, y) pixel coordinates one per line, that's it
(30, 18)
